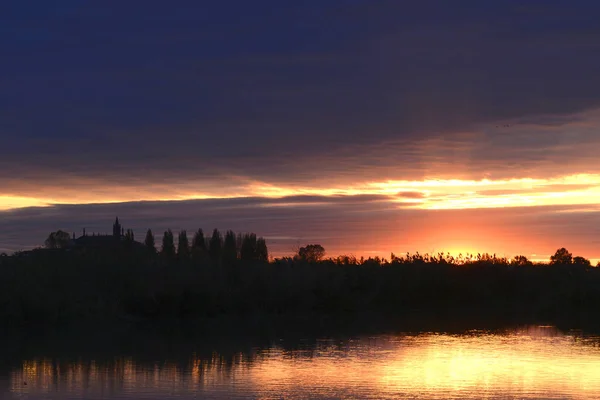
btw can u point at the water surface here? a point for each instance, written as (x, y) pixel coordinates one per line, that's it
(532, 362)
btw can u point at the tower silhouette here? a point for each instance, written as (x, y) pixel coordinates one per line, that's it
(117, 231)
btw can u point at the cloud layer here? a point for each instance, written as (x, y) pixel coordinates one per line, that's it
(121, 92)
(367, 101)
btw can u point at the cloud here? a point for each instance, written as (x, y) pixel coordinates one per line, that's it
(549, 188)
(284, 102)
(150, 100)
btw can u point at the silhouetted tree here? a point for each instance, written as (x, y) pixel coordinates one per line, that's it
(199, 245)
(311, 253)
(262, 253)
(58, 240)
(168, 245)
(149, 241)
(521, 261)
(248, 249)
(229, 247)
(199, 242)
(215, 246)
(129, 235)
(183, 246)
(582, 261)
(238, 243)
(562, 256)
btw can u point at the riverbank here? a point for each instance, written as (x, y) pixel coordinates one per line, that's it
(141, 289)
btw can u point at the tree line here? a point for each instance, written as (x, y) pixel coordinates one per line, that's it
(216, 248)
(249, 247)
(232, 246)
(232, 274)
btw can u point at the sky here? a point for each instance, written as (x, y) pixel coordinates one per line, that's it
(369, 127)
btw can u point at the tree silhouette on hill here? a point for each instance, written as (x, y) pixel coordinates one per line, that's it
(57, 240)
(129, 236)
(183, 246)
(168, 245)
(199, 246)
(149, 241)
(262, 253)
(215, 246)
(248, 250)
(229, 247)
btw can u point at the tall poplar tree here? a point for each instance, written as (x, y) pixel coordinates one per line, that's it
(229, 247)
(168, 246)
(215, 246)
(183, 246)
(149, 241)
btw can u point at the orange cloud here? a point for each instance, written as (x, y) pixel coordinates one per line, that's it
(580, 189)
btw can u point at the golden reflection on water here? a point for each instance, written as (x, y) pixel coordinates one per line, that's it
(537, 362)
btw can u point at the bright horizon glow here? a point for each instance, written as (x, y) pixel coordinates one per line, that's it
(579, 189)
(14, 202)
(580, 192)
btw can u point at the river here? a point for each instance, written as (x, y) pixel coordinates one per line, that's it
(522, 363)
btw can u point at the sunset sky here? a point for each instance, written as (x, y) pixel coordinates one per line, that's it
(369, 127)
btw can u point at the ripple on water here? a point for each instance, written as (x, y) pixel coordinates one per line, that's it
(534, 362)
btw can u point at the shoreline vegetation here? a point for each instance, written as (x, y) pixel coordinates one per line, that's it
(231, 276)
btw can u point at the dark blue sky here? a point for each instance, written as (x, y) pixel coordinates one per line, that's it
(135, 100)
(242, 79)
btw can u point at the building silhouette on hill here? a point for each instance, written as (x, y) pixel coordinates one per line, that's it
(105, 241)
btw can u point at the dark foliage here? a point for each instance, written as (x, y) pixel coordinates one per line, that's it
(54, 285)
(149, 241)
(168, 244)
(215, 246)
(311, 253)
(230, 253)
(57, 240)
(183, 246)
(129, 235)
(199, 251)
(248, 250)
(262, 253)
(562, 256)
(253, 248)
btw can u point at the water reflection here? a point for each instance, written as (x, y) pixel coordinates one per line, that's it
(527, 363)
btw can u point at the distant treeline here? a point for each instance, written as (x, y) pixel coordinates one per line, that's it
(215, 248)
(138, 283)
